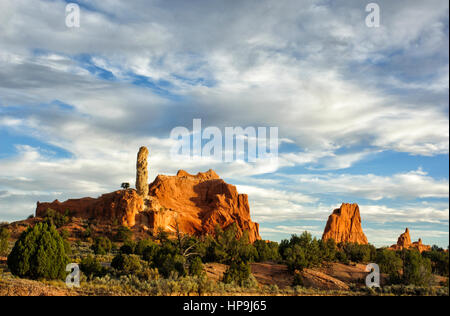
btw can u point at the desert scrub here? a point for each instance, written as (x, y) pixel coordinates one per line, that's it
(4, 244)
(39, 253)
(133, 285)
(102, 245)
(127, 263)
(412, 290)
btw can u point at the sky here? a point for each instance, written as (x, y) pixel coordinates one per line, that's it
(362, 112)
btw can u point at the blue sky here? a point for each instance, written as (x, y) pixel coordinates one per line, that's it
(363, 112)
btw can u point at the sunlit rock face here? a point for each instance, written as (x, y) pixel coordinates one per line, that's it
(344, 225)
(142, 172)
(193, 204)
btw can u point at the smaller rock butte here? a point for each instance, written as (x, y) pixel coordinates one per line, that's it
(194, 203)
(404, 242)
(344, 225)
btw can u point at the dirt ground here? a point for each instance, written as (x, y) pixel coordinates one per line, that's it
(332, 276)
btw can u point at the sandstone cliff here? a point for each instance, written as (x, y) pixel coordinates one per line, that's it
(404, 242)
(198, 203)
(194, 203)
(119, 206)
(344, 225)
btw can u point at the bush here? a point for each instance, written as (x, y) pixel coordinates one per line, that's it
(226, 247)
(341, 256)
(102, 245)
(55, 218)
(417, 269)
(39, 253)
(301, 252)
(237, 273)
(123, 234)
(298, 279)
(150, 252)
(391, 264)
(127, 263)
(4, 237)
(359, 253)
(91, 267)
(168, 261)
(328, 249)
(128, 248)
(142, 245)
(266, 251)
(439, 260)
(196, 267)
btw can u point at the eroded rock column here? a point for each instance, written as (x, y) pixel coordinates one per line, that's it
(142, 172)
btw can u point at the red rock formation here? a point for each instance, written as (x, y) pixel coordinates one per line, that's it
(196, 203)
(421, 247)
(344, 225)
(121, 206)
(142, 172)
(404, 242)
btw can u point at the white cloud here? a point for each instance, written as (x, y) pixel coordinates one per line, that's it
(408, 185)
(339, 92)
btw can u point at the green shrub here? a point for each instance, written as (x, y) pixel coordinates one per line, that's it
(237, 273)
(102, 245)
(150, 252)
(416, 269)
(128, 248)
(298, 280)
(142, 245)
(39, 253)
(196, 267)
(91, 267)
(439, 260)
(123, 234)
(301, 252)
(227, 247)
(127, 263)
(266, 251)
(359, 253)
(341, 256)
(4, 237)
(328, 249)
(55, 218)
(391, 264)
(168, 261)
(87, 233)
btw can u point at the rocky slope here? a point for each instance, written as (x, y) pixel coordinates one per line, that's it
(344, 225)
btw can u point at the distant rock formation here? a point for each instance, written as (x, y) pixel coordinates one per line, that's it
(142, 172)
(194, 204)
(344, 225)
(404, 242)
